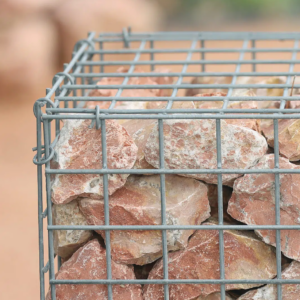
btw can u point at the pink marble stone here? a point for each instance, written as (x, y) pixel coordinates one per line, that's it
(191, 144)
(89, 262)
(79, 147)
(139, 203)
(253, 203)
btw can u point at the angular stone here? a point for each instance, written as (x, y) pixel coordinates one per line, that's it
(212, 194)
(207, 80)
(214, 296)
(269, 292)
(125, 93)
(245, 258)
(175, 105)
(191, 144)
(139, 203)
(163, 80)
(253, 203)
(249, 123)
(288, 137)
(270, 92)
(89, 262)
(79, 147)
(66, 242)
(140, 130)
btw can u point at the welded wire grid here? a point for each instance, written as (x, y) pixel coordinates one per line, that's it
(89, 63)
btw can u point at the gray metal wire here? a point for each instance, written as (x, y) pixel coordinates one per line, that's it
(64, 92)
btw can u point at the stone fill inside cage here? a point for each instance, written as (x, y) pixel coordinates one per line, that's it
(168, 168)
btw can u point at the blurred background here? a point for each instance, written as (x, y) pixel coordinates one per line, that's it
(36, 38)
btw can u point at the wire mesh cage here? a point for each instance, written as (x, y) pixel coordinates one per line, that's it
(223, 109)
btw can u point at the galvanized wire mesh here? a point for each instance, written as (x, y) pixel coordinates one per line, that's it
(89, 64)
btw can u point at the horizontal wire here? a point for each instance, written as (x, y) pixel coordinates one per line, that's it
(172, 171)
(172, 111)
(179, 86)
(217, 98)
(173, 227)
(187, 36)
(192, 62)
(175, 281)
(186, 50)
(187, 74)
(172, 116)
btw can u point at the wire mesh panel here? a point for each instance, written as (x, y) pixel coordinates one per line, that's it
(224, 108)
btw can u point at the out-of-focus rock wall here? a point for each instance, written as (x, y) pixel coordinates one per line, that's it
(37, 36)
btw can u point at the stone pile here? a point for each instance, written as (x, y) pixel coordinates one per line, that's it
(190, 199)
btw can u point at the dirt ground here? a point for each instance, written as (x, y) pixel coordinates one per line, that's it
(19, 277)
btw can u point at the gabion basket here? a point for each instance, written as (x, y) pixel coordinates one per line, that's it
(188, 55)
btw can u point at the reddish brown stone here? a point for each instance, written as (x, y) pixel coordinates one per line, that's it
(89, 262)
(249, 123)
(253, 203)
(245, 258)
(269, 292)
(125, 93)
(191, 144)
(212, 195)
(175, 105)
(139, 203)
(66, 242)
(207, 80)
(79, 147)
(163, 80)
(214, 296)
(140, 130)
(288, 137)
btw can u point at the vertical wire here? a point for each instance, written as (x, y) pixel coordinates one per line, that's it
(162, 176)
(152, 54)
(75, 81)
(130, 71)
(163, 208)
(220, 183)
(66, 103)
(91, 67)
(253, 55)
(277, 176)
(40, 204)
(237, 70)
(203, 55)
(180, 77)
(49, 211)
(106, 208)
(101, 55)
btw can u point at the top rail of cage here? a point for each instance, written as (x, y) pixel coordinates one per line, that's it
(185, 36)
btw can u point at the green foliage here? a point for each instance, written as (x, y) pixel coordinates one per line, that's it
(243, 8)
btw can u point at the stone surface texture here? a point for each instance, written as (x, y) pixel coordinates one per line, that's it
(288, 137)
(245, 258)
(212, 194)
(214, 296)
(89, 262)
(207, 80)
(79, 147)
(125, 93)
(139, 203)
(253, 203)
(191, 144)
(269, 292)
(270, 92)
(249, 123)
(140, 130)
(66, 242)
(163, 80)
